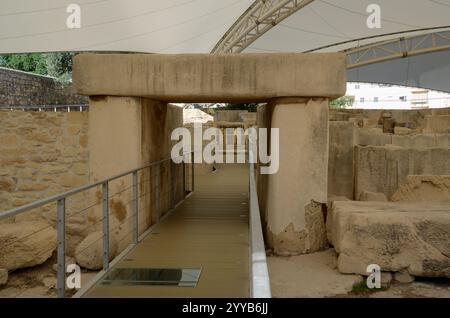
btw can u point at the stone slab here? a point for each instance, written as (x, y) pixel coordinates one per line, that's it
(211, 78)
(408, 237)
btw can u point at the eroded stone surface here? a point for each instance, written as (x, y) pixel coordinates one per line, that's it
(89, 253)
(372, 196)
(424, 188)
(397, 236)
(3, 276)
(311, 239)
(311, 275)
(26, 244)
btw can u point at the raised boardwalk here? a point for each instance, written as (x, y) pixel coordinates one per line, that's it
(209, 230)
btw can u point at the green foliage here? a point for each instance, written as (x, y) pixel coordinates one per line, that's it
(342, 102)
(58, 64)
(361, 288)
(251, 107)
(33, 62)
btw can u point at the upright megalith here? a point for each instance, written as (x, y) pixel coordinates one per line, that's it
(297, 193)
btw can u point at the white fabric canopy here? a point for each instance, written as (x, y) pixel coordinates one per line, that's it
(179, 26)
(196, 26)
(168, 26)
(327, 22)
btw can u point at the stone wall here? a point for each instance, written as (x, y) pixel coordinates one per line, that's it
(340, 159)
(41, 154)
(47, 153)
(384, 168)
(229, 115)
(345, 135)
(22, 88)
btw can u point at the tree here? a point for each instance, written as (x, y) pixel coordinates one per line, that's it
(57, 64)
(251, 107)
(342, 102)
(31, 62)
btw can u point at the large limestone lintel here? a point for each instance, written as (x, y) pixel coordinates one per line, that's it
(295, 195)
(211, 78)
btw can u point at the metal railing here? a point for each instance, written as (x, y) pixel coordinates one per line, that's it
(61, 211)
(259, 273)
(48, 108)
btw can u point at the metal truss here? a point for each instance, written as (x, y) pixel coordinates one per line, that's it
(257, 20)
(398, 48)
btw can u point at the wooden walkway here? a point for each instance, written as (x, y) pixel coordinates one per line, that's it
(208, 230)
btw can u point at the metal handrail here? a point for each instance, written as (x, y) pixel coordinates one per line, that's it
(259, 273)
(60, 199)
(73, 191)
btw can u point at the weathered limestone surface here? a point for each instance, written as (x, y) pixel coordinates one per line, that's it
(340, 162)
(129, 132)
(297, 193)
(211, 78)
(424, 188)
(372, 196)
(437, 124)
(372, 137)
(26, 244)
(403, 277)
(413, 238)
(370, 117)
(41, 154)
(89, 253)
(384, 169)
(421, 141)
(3, 276)
(310, 275)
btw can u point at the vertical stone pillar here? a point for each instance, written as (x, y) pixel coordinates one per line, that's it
(114, 135)
(297, 193)
(126, 133)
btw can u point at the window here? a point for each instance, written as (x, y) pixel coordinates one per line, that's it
(361, 99)
(403, 98)
(357, 86)
(375, 99)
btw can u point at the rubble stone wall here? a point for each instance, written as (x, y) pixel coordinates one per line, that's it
(41, 154)
(22, 88)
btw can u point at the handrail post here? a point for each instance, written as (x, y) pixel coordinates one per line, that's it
(258, 270)
(105, 204)
(172, 184)
(61, 223)
(184, 175)
(157, 194)
(136, 208)
(192, 172)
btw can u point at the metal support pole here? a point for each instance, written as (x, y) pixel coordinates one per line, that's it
(61, 223)
(157, 193)
(105, 204)
(173, 169)
(136, 208)
(184, 176)
(192, 173)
